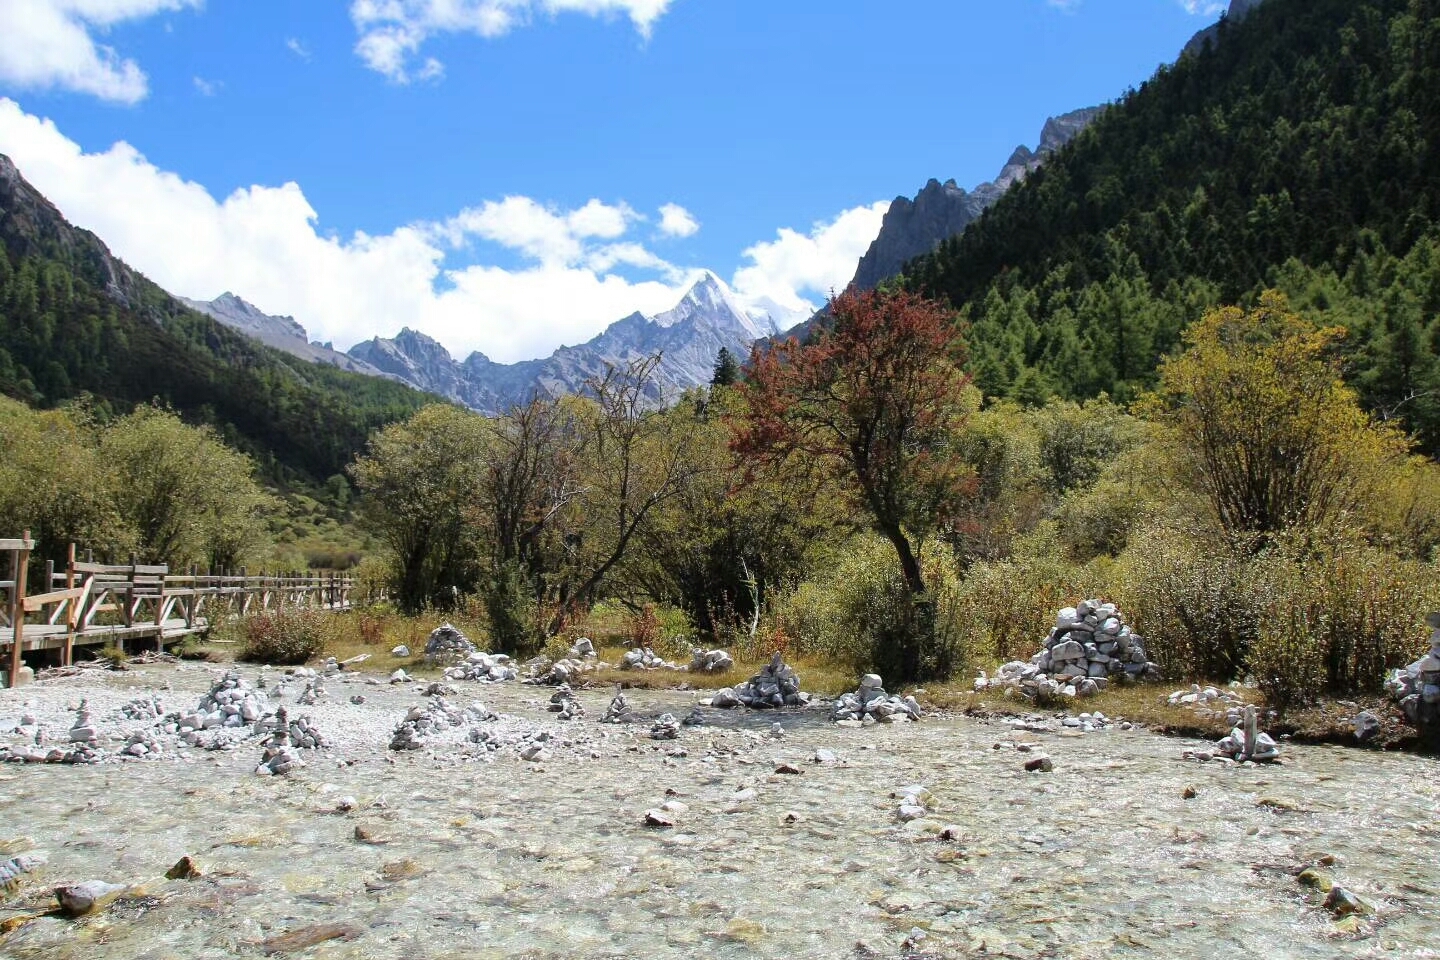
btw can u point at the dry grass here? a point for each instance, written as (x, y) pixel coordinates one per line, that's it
(1143, 704)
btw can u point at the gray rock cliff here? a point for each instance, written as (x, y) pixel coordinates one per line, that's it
(940, 210)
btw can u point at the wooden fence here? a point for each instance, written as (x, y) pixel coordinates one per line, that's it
(89, 604)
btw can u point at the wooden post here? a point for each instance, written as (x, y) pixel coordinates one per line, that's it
(190, 600)
(20, 564)
(73, 616)
(130, 594)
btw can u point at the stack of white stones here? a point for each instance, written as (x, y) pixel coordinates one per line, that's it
(483, 667)
(1417, 687)
(565, 703)
(871, 704)
(279, 756)
(619, 711)
(542, 671)
(143, 708)
(1090, 646)
(643, 658)
(710, 661)
(431, 718)
(1246, 742)
(313, 693)
(230, 703)
(84, 738)
(776, 685)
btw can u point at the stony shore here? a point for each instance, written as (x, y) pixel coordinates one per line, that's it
(753, 833)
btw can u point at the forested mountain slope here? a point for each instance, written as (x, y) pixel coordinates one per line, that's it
(74, 319)
(1300, 149)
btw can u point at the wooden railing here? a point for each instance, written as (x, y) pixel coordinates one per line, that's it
(91, 603)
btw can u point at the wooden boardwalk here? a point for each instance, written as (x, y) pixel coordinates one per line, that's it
(92, 604)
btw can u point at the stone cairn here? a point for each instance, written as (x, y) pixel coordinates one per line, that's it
(279, 757)
(431, 718)
(483, 667)
(230, 703)
(1417, 687)
(643, 658)
(776, 685)
(619, 711)
(447, 645)
(142, 744)
(1089, 646)
(563, 671)
(145, 709)
(710, 661)
(313, 693)
(1244, 743)
(871, 703)
(84, 738)
(582, 649)
(666, 727)
(303, 733)
(565, 703)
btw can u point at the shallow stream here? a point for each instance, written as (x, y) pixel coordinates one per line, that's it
(497, 857)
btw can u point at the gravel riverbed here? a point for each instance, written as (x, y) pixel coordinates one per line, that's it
(463, 848)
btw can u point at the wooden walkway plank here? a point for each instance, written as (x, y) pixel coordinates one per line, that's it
(173, 602)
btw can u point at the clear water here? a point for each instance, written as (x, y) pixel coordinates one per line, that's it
(1101, 858)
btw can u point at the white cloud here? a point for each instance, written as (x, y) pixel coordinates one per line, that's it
(295, 46)
(1066, 5)
(51, 44)
(553, 237)
(393, 31)
(207, 88)
(266, 244)
(676, 221)
(797, 272)
(1204, 8)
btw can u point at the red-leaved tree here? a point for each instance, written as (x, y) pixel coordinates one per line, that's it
(877, 399)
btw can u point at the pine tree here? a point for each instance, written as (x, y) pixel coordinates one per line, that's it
(727, 370)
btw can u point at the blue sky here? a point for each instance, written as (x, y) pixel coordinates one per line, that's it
(509, 175)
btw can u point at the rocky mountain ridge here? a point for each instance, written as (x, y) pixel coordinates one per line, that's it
(912, 228)
(282, 333)
(687, 337)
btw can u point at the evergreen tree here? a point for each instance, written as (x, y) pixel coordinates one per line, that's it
(727, 370)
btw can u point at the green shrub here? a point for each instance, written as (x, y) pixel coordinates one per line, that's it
(511, 612)
(861, 616)
(1195, 601)
(1337, 615)
(283, 638)
(1009, 606)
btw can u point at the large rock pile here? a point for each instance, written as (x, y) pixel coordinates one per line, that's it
(560, 672)
(710, 661)
(484, 667)
(643, 658)
(776, 685)
(447, 645)
(1417, 687)
(872, 703)
(231, 702)
(431, 718)
(1090, 646)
